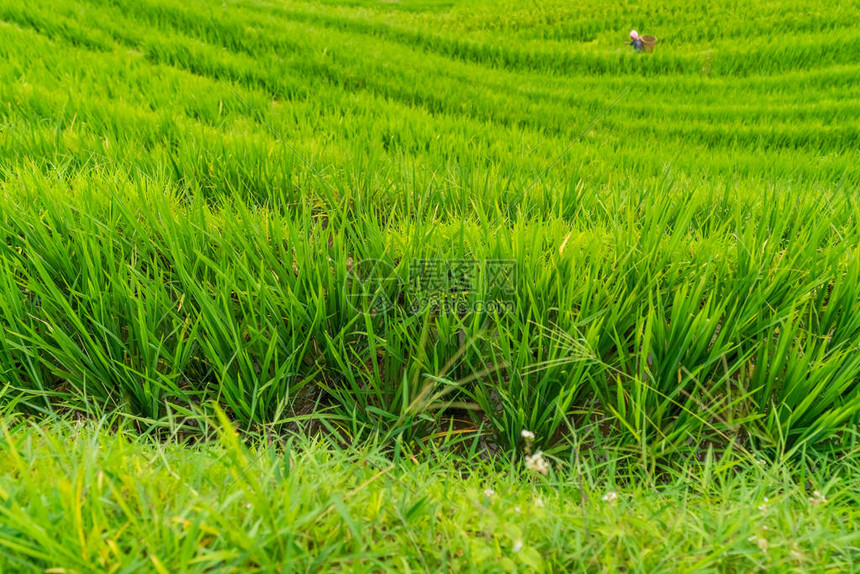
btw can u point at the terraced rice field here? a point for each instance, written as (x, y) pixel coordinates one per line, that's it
(393, 238)
(192, 191)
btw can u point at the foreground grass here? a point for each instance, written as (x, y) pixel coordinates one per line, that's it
(77, 498)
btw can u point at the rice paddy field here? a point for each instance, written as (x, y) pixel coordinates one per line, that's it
(390, 285)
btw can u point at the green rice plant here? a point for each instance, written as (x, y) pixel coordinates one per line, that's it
(189, 191)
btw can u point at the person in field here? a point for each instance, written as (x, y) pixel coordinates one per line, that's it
(635, 41)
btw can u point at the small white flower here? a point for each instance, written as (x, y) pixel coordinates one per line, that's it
(610, 497)
(538, 502)
(516, 509)
(537, 463)
(528, 435)
(518, 545)
(489, 492)
(762, 543)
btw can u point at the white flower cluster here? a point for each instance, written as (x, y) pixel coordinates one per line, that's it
(537, 463)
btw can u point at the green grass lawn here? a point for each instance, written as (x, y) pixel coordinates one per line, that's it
(76, 498)
(383, 229)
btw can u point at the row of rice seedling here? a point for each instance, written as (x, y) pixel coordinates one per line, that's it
(471, 37)
(221, 104)
(127, 297)
(549, 116)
